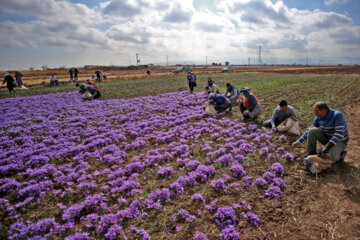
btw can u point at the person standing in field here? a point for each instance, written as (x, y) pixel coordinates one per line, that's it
(71, 72)
(191, 81)
(330, 129)
(249, 105)
(18, 77)
(10, 83)
(281, 114)
(76, 72)
(98, 75)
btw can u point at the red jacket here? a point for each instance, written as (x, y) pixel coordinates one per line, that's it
(94, 85)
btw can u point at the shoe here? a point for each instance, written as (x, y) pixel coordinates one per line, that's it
(342, 156)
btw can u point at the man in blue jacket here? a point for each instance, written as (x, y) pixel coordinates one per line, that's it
(330, 129)
(219, 101)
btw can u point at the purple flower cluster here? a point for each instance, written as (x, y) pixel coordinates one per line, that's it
(253, 218)
(94, 158)
(200, 236)
(143, 234)
(226, 219)
(165, 171)
(238, 170)
(183, 215)
(219, 184)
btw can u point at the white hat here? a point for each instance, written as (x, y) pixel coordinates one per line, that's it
(211, 95)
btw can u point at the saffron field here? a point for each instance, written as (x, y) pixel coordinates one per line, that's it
(145, 167)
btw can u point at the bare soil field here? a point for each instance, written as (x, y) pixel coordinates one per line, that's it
(40, 77)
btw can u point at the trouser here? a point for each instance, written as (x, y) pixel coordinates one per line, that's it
(282, 116)
(222, 107)
(76, 78)
(97, 95)
(11, 90)
(316, 134)
(253, 114)
(71, 78)
(56, 82)
(98, 79)
(191, 86)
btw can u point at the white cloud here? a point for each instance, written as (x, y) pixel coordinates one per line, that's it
(178, 15)
(330, 2)
(233, 30)
(123, 8)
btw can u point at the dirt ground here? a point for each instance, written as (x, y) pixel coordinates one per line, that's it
(326, 206)
(39, 77)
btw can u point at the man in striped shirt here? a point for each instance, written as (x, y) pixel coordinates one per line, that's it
(330, 129)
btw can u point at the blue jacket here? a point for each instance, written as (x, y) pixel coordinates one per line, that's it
(333, 125)
(219, 99)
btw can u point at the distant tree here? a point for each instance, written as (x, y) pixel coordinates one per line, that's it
(227, 63)
(44, 67)
(31, 68)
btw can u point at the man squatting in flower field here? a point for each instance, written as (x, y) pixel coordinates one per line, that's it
(212, 87)
(281, 113)
(219, 101)
(249, 104)
(232, 93)
(330, 129)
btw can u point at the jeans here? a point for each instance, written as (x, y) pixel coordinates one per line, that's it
(191, 86)
(315, 134)
(222, 107)
(253, 114)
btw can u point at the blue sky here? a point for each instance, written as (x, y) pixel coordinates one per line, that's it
(71, 33)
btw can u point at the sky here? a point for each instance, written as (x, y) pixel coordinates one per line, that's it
(74, 33)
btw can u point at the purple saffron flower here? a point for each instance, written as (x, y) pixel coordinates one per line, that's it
(200, 236)
(238, 170)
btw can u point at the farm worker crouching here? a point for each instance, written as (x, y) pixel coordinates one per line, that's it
(249, 105)
(91, 92)
(219, 101)
(89, 82)
(54, 80)
(282, 113)
(232, 93)
(191, 81)
(330, 129)
(10, 83)
(211, 86)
